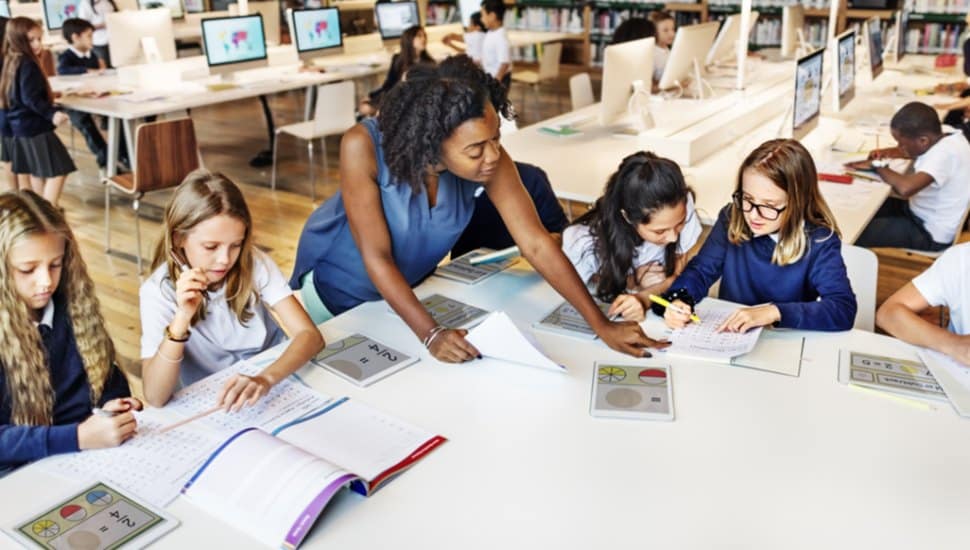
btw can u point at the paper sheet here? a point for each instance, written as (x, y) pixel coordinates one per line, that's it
(700, 340)
(498, 337)
(952, 376)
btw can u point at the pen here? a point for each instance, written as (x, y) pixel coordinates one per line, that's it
(98, 411)
(184, 266)
(658, 300)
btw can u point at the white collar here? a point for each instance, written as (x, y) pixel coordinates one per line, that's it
(47, 318)
(82, 55)
(774, 236)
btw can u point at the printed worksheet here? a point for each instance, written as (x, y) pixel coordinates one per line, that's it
(701, 340)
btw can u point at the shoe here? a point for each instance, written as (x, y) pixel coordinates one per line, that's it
(262, 159)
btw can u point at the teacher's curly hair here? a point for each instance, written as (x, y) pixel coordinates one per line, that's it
(418, 114)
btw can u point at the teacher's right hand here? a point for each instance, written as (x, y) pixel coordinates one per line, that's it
(628, 337)
(450, 346)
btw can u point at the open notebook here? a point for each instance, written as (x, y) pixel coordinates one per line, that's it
(274, 486)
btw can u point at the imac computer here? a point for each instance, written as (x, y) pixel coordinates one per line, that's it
(874, 42)
(808, 94)
(792, 30)
(725, 48)
(234, 43)
(623, 64)
(687, 55)
(844, 69)
(396, 17)
(174, 6)
(56, 11)
(467, 8)
(898, 37)
(316, 32)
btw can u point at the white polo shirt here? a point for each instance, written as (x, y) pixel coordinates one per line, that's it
(942, 203)
(221, 339)
(945, 283)
(474, 42)
(496, 50)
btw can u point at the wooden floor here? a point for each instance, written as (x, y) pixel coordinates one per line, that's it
(229, 135)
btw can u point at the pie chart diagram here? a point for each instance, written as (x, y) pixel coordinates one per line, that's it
(73, 512)
(611, 375)
(653, 377)
(45, 528)
(99, 498)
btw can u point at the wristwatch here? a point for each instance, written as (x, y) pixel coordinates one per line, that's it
(182, 340)
(879, 163)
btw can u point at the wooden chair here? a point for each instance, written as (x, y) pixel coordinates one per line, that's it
(165, 152)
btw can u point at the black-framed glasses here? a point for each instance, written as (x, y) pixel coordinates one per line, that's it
(746, 205)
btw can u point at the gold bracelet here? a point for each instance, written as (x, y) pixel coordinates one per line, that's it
(167, 358)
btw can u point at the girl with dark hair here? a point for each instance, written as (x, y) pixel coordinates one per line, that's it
(407, 191)
(414, 43)
(633, 242)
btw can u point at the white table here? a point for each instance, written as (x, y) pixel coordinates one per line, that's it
(753, 460)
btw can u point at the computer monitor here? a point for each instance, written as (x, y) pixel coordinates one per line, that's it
(396, 17)
(844, 69)
(174, 6)
(234, 43)
(690, 48)
(622, 65)
(4, 8)
(874, 36)
(316, 32)
(792, 29)
(56, 11)
(902, 20)
(808, 93)
(467, 8)
(725, 46)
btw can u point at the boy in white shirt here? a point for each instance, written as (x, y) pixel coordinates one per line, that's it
(496, 48)
(472, 40)
(943, 284)
(935, 193)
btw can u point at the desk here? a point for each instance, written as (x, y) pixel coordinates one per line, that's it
(754, 460)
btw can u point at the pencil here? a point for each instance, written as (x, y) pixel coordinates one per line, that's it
(181, 423)
(658, 300)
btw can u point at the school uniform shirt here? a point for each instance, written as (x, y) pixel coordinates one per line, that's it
(72, 395)
(945, 284)
(474, 43)
(941, 204)
(221, 339)
(496, 50)
(577, 243)
(660, 56)
(95, 12)
(421, 236)
(30, 111)
(71, 61)
(812, 294)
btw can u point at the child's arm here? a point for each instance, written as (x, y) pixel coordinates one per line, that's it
(33, 92)
(455, 42)
(905, 185)
(836, 308)
(899, 316)
(707, 266)
(20, 444)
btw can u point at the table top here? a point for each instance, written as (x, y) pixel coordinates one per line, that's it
(753, 460)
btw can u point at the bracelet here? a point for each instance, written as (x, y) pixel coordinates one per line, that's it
(167, 358)
(182, 340)
(432, 334)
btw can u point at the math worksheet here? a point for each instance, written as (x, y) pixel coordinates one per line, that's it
(702, 341)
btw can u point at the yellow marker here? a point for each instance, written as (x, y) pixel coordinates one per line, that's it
(906, 401)
(658, 300)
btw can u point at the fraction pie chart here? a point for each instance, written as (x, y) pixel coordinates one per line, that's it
(45, 528)
(611, 374)
(73, 512)
(653, 377)
(99, 498)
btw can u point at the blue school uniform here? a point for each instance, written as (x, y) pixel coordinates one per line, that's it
(812, 294)
(72, 397)
(421, 236)
(36, 149)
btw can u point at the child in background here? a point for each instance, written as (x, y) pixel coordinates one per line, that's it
(633, 242)
(634, 28)
(666, 31)
(56, 356)
(79, 59)
(414, 43)
(934, 194)
(26, 95)
(209, 300)
(472, 39)
(776, 248)
(943, 284)
(496, 48)
(8, 182)
(96, 12)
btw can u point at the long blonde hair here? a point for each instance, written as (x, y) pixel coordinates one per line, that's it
(25, 214)
(789, 165)
(203, 195)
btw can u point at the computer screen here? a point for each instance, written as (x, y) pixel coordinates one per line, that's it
(691, 44)
(623, 64)
(808, 93)
(4, 8)
(56, 11)
(174, 6)
(845, 68)
(902, 20)
(467, 8)
(725, 46)
(316, 29)
(874, 31)
(231, 40)
(395, 18)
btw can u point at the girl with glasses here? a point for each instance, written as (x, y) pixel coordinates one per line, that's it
(633, 242)
(776, 249)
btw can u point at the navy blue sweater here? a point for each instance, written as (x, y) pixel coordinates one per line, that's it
(71, 63)
(812, 294)
(31, 110)
(72, 399)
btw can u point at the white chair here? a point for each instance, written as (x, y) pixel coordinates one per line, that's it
(862, 267)
(334, 114)
(581, 91)
(548, 70)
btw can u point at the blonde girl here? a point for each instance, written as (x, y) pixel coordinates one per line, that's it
(210, 298)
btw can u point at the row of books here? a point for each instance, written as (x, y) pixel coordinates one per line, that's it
(545, 19)
(771, 3)
(605, 21)
(934, 38)
(937, 6)
(442, 14)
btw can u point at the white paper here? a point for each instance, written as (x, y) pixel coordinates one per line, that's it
(952, 376)
(497, 337)
(702, 341)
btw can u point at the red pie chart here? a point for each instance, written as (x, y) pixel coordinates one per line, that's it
(73, 512)
(653, 377)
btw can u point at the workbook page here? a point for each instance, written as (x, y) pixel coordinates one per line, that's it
(701, 340)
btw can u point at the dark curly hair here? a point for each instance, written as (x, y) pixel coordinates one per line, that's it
(418, 114)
